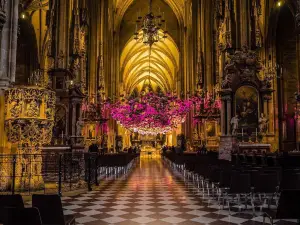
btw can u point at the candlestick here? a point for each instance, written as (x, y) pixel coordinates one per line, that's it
(242, 134)
(256, 136)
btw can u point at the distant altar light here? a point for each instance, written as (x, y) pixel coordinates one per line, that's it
(279, 3)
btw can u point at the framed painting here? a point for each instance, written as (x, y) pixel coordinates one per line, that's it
(91, 132)
(211, 129)
(247, 106)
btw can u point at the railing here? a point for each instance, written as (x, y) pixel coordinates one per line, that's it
(58, 172)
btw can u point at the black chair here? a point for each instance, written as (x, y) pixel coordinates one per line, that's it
(266, 187)
(288, 207)
(240, 186)
(22, 216)
(11, 201)
(290, 181)
(51, 210)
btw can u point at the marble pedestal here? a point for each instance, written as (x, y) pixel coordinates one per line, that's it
(227, 145)
(77, 143)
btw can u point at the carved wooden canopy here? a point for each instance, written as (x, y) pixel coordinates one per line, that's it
(241, 69)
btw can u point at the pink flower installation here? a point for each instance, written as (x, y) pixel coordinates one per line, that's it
(151, 113)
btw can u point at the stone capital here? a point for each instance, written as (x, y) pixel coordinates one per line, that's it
(226, 98)
(4, 83)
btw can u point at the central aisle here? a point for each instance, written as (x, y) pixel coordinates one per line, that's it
(151, 195)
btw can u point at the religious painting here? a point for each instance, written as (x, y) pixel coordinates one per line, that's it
(91, 129)
(246, 105)
(210, 129)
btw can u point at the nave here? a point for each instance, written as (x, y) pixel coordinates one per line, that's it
(153, 194)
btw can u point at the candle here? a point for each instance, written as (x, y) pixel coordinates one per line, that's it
(256, 132)
(242, 132)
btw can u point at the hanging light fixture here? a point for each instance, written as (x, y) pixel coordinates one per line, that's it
(150, 25)
(152, 112)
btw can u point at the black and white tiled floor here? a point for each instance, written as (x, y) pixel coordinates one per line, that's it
(151, 194)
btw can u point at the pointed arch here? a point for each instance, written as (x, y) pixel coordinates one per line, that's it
(163, 62)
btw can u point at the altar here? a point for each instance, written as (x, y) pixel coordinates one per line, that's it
(257, 148)
(247, 124)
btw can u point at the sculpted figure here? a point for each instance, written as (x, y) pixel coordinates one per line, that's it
(33, 109)
(234, 124)
(79, 126)
(263, 123)
(16, 109)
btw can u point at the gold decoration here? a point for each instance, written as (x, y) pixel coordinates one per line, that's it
(29, 115)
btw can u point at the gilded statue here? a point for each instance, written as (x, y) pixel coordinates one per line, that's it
(33, 109)
(195, 135)
(48, 113)
(15, 111)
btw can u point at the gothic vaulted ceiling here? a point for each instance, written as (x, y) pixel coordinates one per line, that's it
(128, 23)
(135, 60)
(31, 5)
(122, 5)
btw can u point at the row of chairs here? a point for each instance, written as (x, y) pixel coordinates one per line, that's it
(46, 209)
(237, 184)
(113, 164)
(287, 160)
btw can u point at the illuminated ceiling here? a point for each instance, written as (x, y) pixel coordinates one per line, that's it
(122, 5)
(134, 64)
(32, 5)
(128, 23)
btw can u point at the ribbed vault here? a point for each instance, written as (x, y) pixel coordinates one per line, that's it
(134, 62)
(122, 5)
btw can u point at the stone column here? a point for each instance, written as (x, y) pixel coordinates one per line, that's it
(73, 119)
(8, 34)
(9, 43)
(223, 120)
(229, 115)
(266, 111)
(3, 144)
(244, 22)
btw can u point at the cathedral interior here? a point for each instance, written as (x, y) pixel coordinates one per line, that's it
(94, 90)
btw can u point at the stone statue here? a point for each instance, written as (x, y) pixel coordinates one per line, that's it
(234, 124)
(79, 126)
(263, 123)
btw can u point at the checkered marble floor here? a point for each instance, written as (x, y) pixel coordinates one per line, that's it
(151, 194)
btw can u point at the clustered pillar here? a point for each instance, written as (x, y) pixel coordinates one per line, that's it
(8, 34)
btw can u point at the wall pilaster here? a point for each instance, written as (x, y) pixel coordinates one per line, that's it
(8, 31)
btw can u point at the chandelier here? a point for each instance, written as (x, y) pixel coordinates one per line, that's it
(150, 24)
(151, 112)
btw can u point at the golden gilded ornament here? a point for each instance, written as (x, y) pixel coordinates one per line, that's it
(29, 115)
